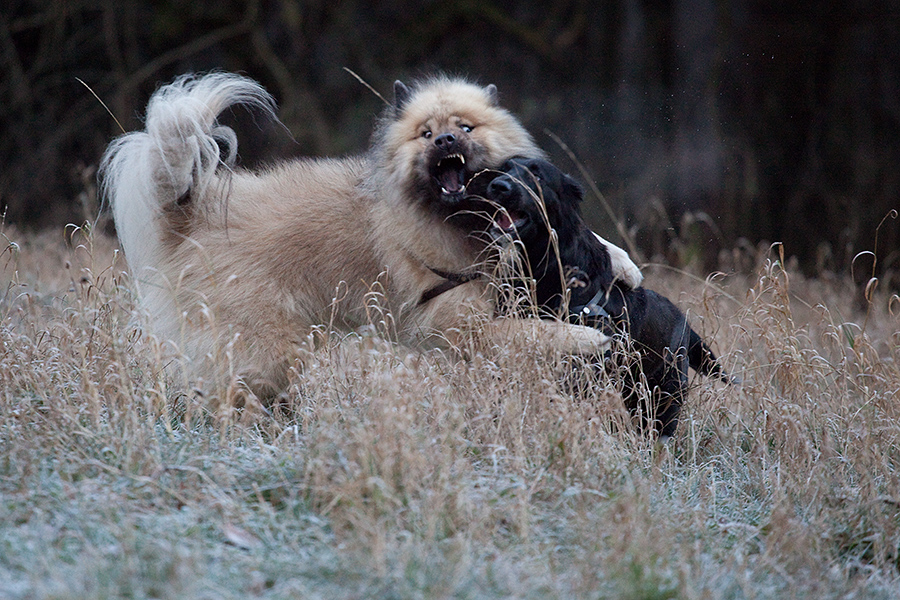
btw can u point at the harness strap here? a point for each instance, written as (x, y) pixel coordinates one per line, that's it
(593, 308)
(451, 280)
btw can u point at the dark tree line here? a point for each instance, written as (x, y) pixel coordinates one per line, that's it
(706, 124)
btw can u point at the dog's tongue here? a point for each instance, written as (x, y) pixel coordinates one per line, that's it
(504, 222)
(451, 181)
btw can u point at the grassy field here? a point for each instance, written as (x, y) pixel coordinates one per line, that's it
(394, 474)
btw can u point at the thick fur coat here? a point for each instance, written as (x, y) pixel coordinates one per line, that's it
(237, 267)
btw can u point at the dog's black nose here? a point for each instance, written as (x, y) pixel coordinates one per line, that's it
(445, 141)
(500, 187)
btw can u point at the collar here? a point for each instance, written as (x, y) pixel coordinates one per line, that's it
(451, 280)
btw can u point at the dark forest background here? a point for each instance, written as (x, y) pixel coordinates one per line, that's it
(708, 126)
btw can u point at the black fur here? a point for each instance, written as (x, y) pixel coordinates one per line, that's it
(657, 329)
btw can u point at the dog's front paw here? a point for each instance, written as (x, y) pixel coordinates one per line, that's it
(587, 340)
(623, 267)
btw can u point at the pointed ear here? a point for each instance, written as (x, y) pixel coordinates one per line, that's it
(401, 96)
(491, 92)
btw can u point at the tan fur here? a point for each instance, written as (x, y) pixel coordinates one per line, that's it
(249, 263)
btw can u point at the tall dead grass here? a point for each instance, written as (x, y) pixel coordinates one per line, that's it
(386, 472)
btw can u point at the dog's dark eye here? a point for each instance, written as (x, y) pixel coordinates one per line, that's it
(426, 134)
(536, 172)
(466, 128)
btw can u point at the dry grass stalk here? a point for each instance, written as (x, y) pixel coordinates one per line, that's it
(390, 473)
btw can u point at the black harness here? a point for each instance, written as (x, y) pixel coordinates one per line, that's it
(593, 308)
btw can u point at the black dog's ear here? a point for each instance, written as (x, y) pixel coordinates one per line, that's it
(401, 96)
(572, 191)
(491, 92)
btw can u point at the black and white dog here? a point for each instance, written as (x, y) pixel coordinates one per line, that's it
(537, 199)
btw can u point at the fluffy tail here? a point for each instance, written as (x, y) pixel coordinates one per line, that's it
(175, 158)
(702, 360)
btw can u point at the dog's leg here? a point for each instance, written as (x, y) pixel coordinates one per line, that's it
(465, 311)
(563, 337)
(623, 267)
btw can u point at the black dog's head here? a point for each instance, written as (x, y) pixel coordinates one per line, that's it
(536, 197)
(538, 202)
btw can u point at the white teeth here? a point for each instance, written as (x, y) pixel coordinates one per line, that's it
(459, 156)
(461, 191)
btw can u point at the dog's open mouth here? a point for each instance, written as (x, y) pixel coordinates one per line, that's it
(508, 221)
(451, 176)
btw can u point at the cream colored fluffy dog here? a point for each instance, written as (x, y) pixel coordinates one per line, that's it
(236, 267)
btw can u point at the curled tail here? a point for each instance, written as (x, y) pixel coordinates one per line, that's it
(174, 158)
(702, 359)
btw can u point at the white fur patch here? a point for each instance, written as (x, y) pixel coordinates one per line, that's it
(622, 265)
